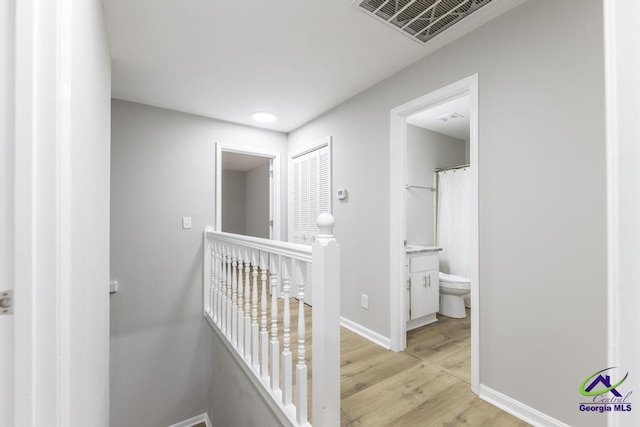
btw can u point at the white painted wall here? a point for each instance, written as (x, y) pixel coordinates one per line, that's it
(7, 59)
(234, 201)
(542, 196)
(162, 365)
(426, 151)
(257, 201)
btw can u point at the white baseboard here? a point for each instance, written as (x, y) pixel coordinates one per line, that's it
(518, 409)
(372, 336)
(202, 418)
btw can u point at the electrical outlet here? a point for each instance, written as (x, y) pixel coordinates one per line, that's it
(364, 301)
(186, 222)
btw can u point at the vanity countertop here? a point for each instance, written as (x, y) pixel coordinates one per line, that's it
(413, 249)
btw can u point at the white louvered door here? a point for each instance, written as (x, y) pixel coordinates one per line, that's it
(311, 197)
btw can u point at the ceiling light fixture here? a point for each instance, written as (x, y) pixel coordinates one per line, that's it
(263, 117)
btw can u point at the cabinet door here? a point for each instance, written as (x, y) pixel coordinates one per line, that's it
(425, 293)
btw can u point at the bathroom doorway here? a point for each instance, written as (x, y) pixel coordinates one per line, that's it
(401, 118)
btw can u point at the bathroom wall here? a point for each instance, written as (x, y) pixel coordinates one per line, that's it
(426, 151)
(542, 213)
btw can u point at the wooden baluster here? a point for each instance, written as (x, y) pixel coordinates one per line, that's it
(264, 335)
(228, 296)
(274, 344)
(234, 298)
(301, 367)
(219, 285)
(286, 337)
(212, 279)
(223, 291)
(214, 297)
(240, 306)
(254, 313)
(247, 308)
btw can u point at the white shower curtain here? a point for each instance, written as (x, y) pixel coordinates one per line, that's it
(454, 221)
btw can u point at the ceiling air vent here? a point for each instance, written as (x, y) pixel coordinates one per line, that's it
(421, 20)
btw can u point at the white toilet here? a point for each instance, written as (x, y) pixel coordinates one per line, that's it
(452, 292)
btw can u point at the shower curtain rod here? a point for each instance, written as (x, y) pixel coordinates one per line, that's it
(419, 186)
(451, 168)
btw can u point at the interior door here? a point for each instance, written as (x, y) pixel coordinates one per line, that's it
(311, 197)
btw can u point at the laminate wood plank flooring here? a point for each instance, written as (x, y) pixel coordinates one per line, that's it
(426, 385)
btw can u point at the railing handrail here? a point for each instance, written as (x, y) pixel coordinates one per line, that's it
(236, 306)
(297, 251)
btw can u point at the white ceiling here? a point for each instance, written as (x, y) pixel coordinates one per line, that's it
(457, 128)
(229, 59)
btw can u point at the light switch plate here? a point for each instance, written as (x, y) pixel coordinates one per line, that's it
(341, 193)
(186, 222)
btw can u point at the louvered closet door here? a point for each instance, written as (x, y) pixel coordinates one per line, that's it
(311, 192)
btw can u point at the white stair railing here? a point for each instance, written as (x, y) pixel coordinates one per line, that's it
(241, 274)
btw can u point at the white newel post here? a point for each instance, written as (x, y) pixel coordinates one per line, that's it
(326, 326)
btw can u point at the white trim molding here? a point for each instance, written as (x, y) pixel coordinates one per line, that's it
(372, 336)
(397, 235)
(622, 66)
(202, 418)
(518, 409)
(274, 186)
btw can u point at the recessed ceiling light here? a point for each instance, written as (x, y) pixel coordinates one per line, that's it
(263, 117)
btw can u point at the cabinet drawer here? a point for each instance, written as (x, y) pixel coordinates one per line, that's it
(424, 263)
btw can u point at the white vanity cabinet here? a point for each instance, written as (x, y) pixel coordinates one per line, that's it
(423, 287)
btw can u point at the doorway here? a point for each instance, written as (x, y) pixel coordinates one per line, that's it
(247, 191)
(398, 229)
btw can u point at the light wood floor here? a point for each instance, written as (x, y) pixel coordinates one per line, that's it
(426, 385)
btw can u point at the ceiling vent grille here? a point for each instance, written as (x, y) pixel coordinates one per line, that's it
(421, 20)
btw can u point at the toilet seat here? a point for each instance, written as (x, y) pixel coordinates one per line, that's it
(454, 282)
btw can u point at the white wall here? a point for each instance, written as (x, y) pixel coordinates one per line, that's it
(234, 201)
(542, 196)
(163, 162)
(7, 59)
(257, 201)
(426, 151)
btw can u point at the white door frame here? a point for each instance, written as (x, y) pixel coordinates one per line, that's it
(622, 65)
(397, 154)
(274, 184)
